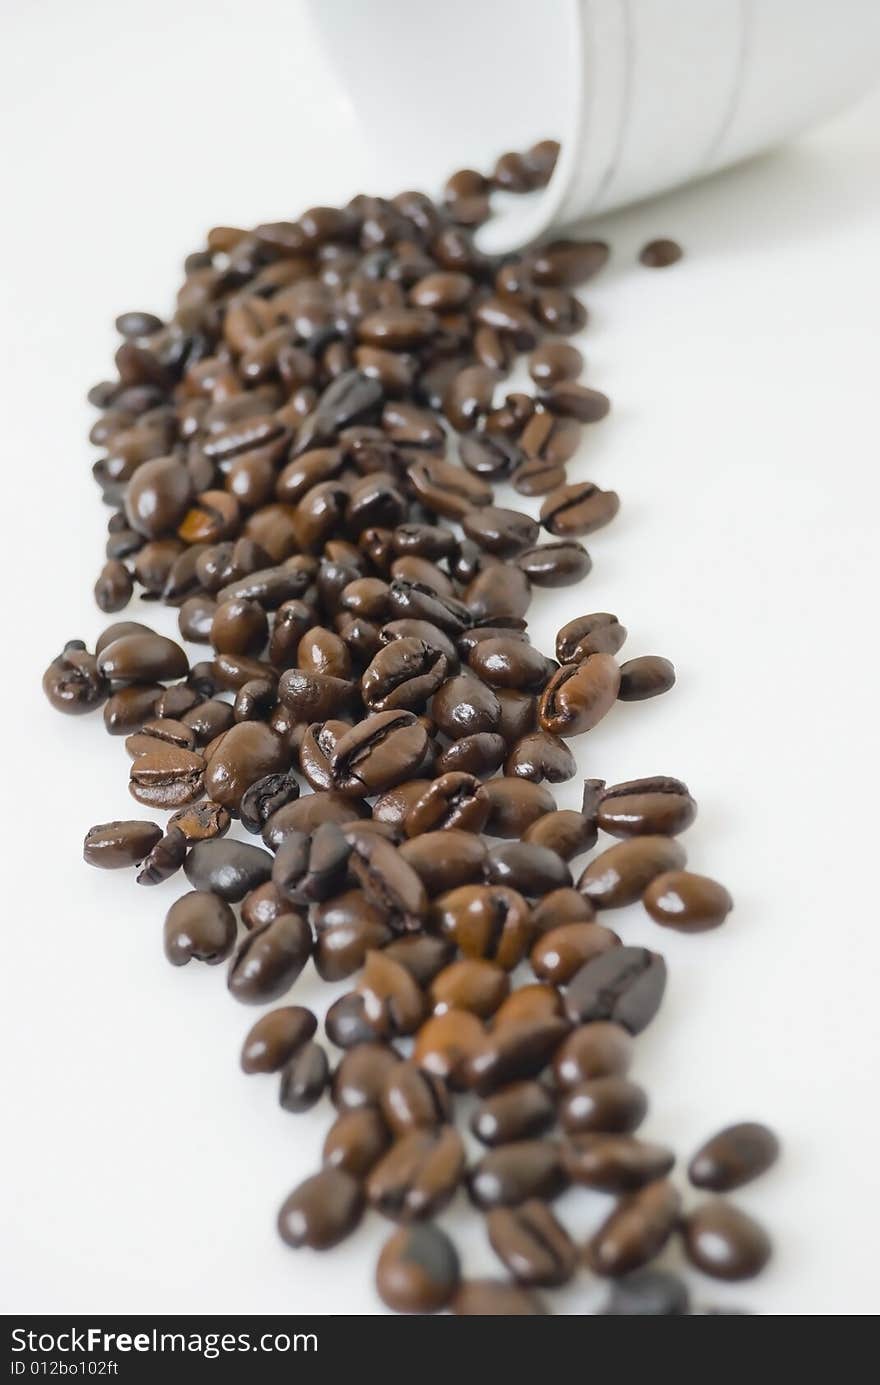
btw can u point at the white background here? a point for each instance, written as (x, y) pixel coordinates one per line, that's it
(142, 1170)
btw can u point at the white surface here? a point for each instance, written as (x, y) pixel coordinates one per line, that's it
(141, 1170)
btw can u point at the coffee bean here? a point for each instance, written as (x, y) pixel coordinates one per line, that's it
(346, 1023)
(570, 400)
(599, 633)
(393, 1002)
(658, 254)
(514, 1052)
(636, 1231)
(517, 1112)
(477, 754)
(230, 869)
(355, 1142)
(595, 1049)
(575, 510)
(555, 361)
(733, 1157)
(722, 1241)
(691, 903)
(603, 1103)
(514, 805)
(322, 1211)
(304, 1078)
(503, 533)
(562, 951)
(622, 874)
(74, 682)
(568, 263)
(387, 880)
(560, 906)
(528, 1004)
(485, 1298)
(614, 1163)
(112, 845)
(403, 674)
(530, 869)
(566, 832)
(578, 696)
(418, 1175)
(516, 1173)
(532, 1243)
(646, 807)
(648, 1293)
(157, 496)
(645, 677)
(263, 905)
(412, 1099)
(114, 587)
(625, 985)
(276, 1037)
(556, 564)
(540, 755)
(445, 1044)
(165, 859)
(244, 757)
(418, 1270)
(446, 859)
(269, 960)
(167, 777)
(264, 797)
(422, 956)
(199, 925)
(485, 921)
(359, 1078)
(143, 659)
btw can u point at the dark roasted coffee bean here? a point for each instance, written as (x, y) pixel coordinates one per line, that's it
(307, 813)
(562, 951)
(517, 1112)
(418, 1270)
(304, 1078)
(453, 801)
(556, 564)
(386, 879)
(553, 362)
(384, 749)
(503, 533)
(403, 674)
(158, 496)
(208, 720)
(276, 1037)
(418, 1176)
(610, 1104)
(199, 925)
(245, 755)
(499, 593)
(530, 869)
(360, 1076)
(532, 1243)
(263, 905)
(488, 921)
(74, 681)
(646, 807)
(165, 859)
(112, 845)
(127, 710)
(489, 454)
(515, 1173)
(575, 510)
(579, 695)
(445, 1044)
(270, 958)
(724, 1242)
(480, 753)
(690, 903)
(229, 868)
(322, 1211)
(527, 1005)
(422, 955)
(346, 1023)
(537, 476)
(114, 586)
(625, 984)
(507, 662)
(614, 1163)
(567, 263)
(560, 906)
(636, 1231)
(472, 984)
(648, 1293)
(167, 777)
(658, 254)
(565, 832)
(733, 1157)
(264, 797)
(463, 706)
(515, 805)
(143, 659)
(645, 677)
(621, 874)
(412, 1099)
(540, 755)
(443, 860)
(393, 1002)
(599, 633)
(356, 1141)
(514, 1052)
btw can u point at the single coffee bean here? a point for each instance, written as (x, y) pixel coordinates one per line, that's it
(487, 921)
(516, 1112)
(528, 1004)
(388, 882)
(733, 1157)
(597, 1049)
(575, 510)
(567, 263)
(412, 1099)
(514, 805)
(445, 860)
(508, 662)
(578, 696)
(393, 1002)
(516, 1173)
(167, 777)
(143, 659)
(356, 1142)
(481, 753)
(276, 1037)
(659, 254)
(445, 1044)
(646, 807)
(625, 985)
(540, 755)
(532, 1244)
(165, 859)
(724, 1242)
(636, 1231)
(560, 906)
(264, 797)
(308, 812)
(648, 676)
(209, 720)
(423, 956)
(418, 1270)
(269, 960)
(560, 952)
(610, 1104)
(74, 683)
(514, 1052)
(501, 532)
(304, 1078)
(403, 674)
(263, 905)
(360, 1076)
(556, 564)
(621, 874)
(566, 832)
(229, 868)
(463, 706)
(536, 476)
(530, 869)
(614, 1163)
(245, 756)
(553, 362)
(346, 1023)
(472, 984)
(158, 496)
(570, 400)
(112, 845)
(418, 1175)
(599, 633)
(691, 903)
(199, 925)
(322, 1211)
(485, 1298)
(114, 587)
(648, 1293)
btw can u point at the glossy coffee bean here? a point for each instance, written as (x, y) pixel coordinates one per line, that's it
(158, 496)
(598, 633)
(567, 833)
(503, 533)
(557, 564)
(423, 956)
(464, 706)
(575, 510)
(532, 1243)
(356, 1141)
(636, 1231)
(517, 1112)
(143, 659)
(646, 807)
(578, 696)
(530, 869)
(539, 756)
(269, 960)
(112, 845)
(412, 1099)
(452, 801)
(245, 754)
(322, 1211)
(560, 906)
(304, 1078)
(724, 1242)
(346, 1023)
(597, 1049)
(393, 1002)
(228, 868)
(263, 905)
(473, 984)
(515, 1173)
(648, 676)
(403, 674)
(614, 1163)
(360, 1076)
(276, 1037)
(418, 1175)
(553, 362)
(445, 859)
(445, 1044)
(688, 902)
(560, 952)
(167, 777)
(625, 985)
(514, 1052)
(610, 1104)
(199, 925)
(514, 805)
(418, 1270)
(488, 921)
(165, 859)
(620, 875)
(659, 254)
(733, 1157)
(479, 754)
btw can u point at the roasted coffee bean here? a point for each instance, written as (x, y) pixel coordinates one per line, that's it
(560, 906)
(532, 1244)
(536, 476)
(531, 870)
(487, 921)
(165, 730)
(245, 755)
(270, 958)
(514, 1052)
(472, 984)
(622, 874)
(201, 822)
(360, 1076)
(167, 777)
(636, 1231)
(570, 400)
(555, 361)
(239, 626)
(276, 1037)
(503, 533)
(575, 510)
(645, 677)
(625, 984)
(481, 753)
(393, 1002)
(229, 868)
(419, 1175)
(614, 1163)
(463, 706)
(418, 1270)
(484, 1298)
(445, 859)
(307, 813)
(263, 905)
(562, 951)
(514, 805)
(384, 749)
(599, 633)
(516, 1173)
(733, 1157)
(517, 1112)
(304, 1078)
(724, 1242)
(643, 807)
(356, 1141)
(208, 720)
(445, 1043)
(566, 832)
(165, 859)
(125, 711)
(578, 696)
(539, 755)
(199, 925)
(158, 496)
(75, 683)
(453, 801)
(658, 254)
(567, 263)
(322, 1211)
(648, 1293)
(610, 1104)
(422, 955)
(556, 564)
(527, 1005)
(175, 702)
(412, 1099)
(498, 592)
(489, 454)
(403, 674)
(264, 797)
(346, 1023)
(112, 845)
(348, 928)
(510, 663)
(691, 903)
(143, 659)
(114, 587)
(387, 880)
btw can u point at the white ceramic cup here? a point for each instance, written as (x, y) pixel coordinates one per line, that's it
(642, 94)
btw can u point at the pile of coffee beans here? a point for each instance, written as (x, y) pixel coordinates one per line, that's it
(301, 461)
